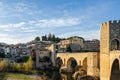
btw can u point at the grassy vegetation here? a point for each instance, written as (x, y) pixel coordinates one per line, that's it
(4, 76)
(17, 71)
(26, 67)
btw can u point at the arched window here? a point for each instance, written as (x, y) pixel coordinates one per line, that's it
(115, 44)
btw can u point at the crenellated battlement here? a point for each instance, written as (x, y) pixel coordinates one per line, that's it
(111, 22)
(105, 23)
(114, 22)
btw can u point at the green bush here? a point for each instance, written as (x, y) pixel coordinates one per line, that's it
(27, 66)
(2, 55)
(3, 65)
(69, 49)
(25, 58)
(44, 59)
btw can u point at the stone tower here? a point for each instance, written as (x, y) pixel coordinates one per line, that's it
(109, 40)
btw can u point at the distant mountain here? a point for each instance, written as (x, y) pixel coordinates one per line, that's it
(3, 44)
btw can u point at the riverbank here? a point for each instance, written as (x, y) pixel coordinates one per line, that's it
(14, 76)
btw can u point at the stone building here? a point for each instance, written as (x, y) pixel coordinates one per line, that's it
(91, 45)
(76, 44)
(43, 56)
(43, 59)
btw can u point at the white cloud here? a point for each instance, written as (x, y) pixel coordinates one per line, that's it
(26, 31)
(12, 27)
(32, 26)
(14, 39)
(1, 6)
(21, 24)
(89, 35)
(57, 22)
(30, 30)
(21, 7)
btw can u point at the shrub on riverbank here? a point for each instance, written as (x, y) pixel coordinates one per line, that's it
(25, 67)
(3, 65)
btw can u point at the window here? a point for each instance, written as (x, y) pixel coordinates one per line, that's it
(115, 44)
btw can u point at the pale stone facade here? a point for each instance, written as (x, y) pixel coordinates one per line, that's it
(64, 43)
(52, 48)
(75, 43)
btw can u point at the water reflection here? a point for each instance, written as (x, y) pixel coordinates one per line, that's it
(67, 76)
(55, 75)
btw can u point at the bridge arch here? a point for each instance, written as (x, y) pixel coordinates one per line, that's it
(115, 72)
(115, 44)
(84, 64)
(58, 62)
(71, 64)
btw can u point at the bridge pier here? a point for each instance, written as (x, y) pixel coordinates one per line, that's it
(92, 68)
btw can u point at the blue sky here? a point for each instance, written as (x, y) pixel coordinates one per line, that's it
(23, 20)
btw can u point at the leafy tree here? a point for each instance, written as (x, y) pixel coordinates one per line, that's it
(53, 38)
(44, 38)
(28, 65)
(49, 37)
(57, 39)
(25, 58)
(44, 59)
(70, 38)
(2, 53)
(69, 49)
(3, 65)
(37, 38)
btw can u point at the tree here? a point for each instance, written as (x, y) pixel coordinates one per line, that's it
(49, 37)
(53, 38)
(2, 53)
(28, 65)
(57, 40)
(24, 58)
(69, 49)
(44, 38)
(37, 38)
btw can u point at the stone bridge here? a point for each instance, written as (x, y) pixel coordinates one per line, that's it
(107, 62)
(88, 61)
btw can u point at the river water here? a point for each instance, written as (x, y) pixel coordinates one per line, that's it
(55, 75)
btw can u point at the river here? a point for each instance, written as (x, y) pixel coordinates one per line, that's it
(55, 75)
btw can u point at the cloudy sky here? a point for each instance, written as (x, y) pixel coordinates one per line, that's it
(23, 20)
